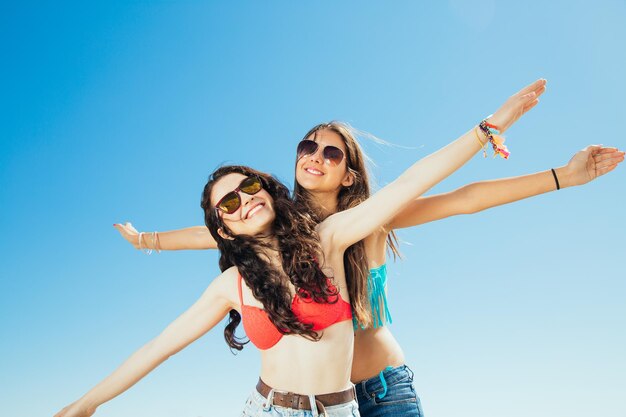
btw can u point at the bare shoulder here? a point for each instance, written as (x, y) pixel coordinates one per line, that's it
(225, 284)
(323, 227)
(327, 230)
(231, 274)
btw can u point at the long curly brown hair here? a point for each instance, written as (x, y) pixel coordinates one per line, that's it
(355, 258)
(298, 245)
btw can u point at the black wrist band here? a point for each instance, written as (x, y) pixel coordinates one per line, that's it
(558, 187)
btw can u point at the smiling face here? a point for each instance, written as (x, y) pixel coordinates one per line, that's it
(318, 175)
(254, 216)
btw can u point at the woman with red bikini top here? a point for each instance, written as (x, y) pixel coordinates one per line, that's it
(264, 334)
(275, 249)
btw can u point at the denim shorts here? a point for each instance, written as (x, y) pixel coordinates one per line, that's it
(399, 399)
(256, 407)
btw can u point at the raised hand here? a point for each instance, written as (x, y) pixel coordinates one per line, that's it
(592, 162)
(76, 410)
(129, 233)
(518, 104)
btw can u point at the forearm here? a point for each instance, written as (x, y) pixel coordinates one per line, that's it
(432, 169)
(381, 209)
(196, 237)
(486, 194)
(343, 229)
(219, 297)
(138, 365)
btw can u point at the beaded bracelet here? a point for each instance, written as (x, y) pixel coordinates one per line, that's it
(497, 140)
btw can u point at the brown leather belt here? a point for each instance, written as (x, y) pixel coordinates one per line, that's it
(301, 402)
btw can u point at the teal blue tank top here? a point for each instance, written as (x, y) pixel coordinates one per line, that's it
(376, 283)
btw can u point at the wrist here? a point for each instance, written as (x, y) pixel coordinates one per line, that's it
(494, 134)
(148, 242)
(495, 122)
(88, 406)
(483, 139)
(564, 176)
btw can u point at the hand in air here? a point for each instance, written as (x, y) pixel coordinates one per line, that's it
(129, 233)
(76, 410)
(517, 105)
(592, 162)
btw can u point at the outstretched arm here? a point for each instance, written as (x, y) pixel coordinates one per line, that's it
(345, 228)
(201, 317)
(195, 237)
(586, 165)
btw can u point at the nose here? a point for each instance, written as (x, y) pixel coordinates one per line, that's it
(317, 155)
(246, 201)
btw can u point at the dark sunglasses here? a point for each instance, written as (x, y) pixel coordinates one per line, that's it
(330, 153)
(231, 202)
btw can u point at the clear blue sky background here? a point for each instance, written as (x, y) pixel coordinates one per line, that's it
(115, 112)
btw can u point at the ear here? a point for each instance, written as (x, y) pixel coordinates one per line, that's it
(348, 179)
(224, 235)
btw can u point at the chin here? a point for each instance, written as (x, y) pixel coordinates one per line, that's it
(309, 182)
(263, 219)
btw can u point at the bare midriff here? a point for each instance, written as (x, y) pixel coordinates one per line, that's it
(374, 350)
(296, 364)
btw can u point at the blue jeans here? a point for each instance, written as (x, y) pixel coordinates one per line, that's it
(257, 406)
(400, 398)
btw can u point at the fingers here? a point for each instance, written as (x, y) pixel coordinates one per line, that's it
(606, 165)
(126, 228)
(540, 91)
(608, 150)
(608, 155)
(535, 86)
(129, 233)
(533, 95)
(608, 161)
(599, 149)
(592, 148)
(603, 171)
(529, 96)
(530, 105)
(121, 228)
(531, 99)
(130, 227)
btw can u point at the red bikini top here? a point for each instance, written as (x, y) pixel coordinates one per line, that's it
(262, 332)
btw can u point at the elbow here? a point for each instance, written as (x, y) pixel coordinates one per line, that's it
(158, 351)
(468, 203)
(470, 209)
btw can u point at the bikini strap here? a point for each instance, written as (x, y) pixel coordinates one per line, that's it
(239, 284)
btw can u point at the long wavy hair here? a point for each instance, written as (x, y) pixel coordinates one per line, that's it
(355, 259)
(297, 242)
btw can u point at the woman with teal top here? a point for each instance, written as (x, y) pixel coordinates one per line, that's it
(383, 381)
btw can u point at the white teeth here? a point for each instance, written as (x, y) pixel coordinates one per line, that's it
(254, 210)
(314, 171)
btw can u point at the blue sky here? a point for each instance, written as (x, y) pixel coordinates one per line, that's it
(118, 111)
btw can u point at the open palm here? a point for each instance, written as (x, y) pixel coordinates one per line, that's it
(592, 162)
(518, 104)
(129, 233)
